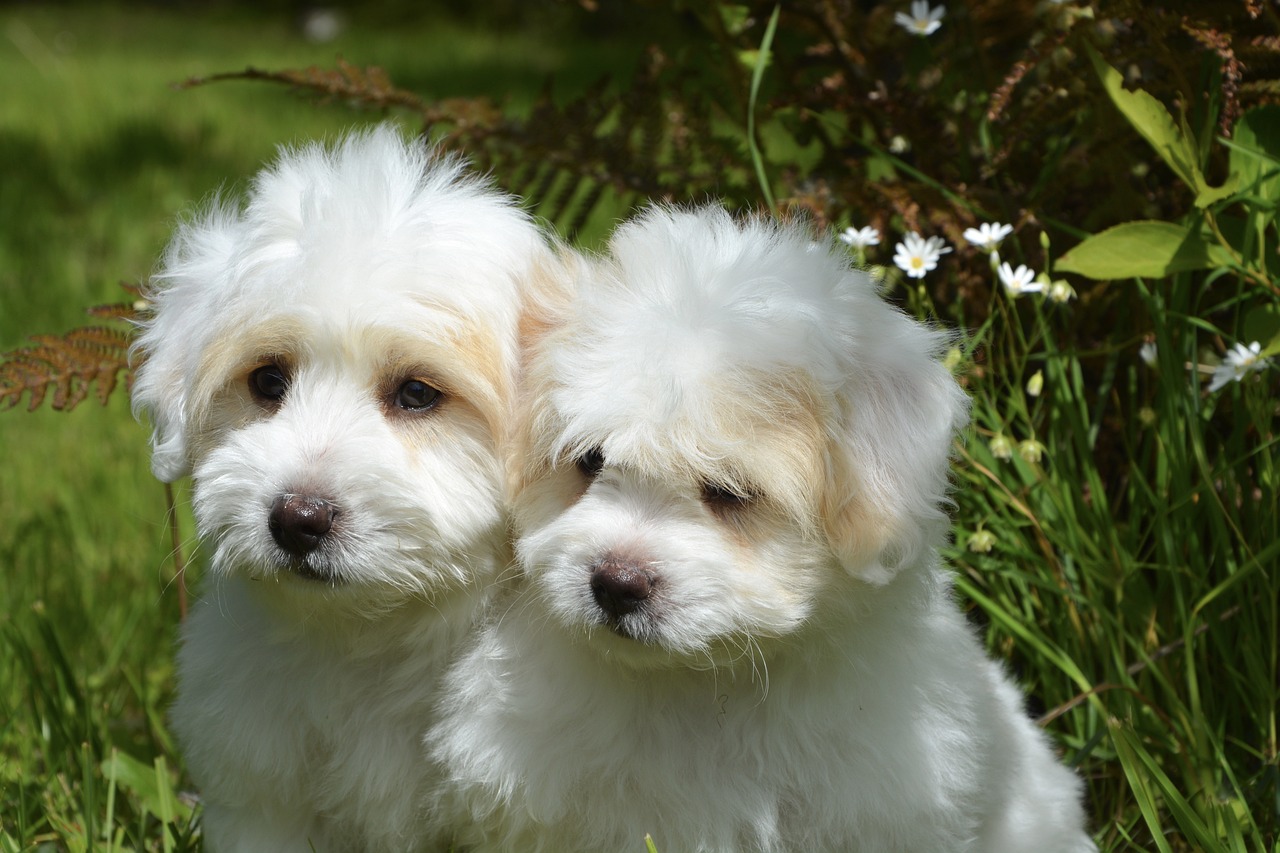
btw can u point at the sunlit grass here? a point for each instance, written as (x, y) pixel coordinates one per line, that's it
(1151, 600)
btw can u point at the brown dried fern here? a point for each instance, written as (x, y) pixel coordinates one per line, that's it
(1232, 70)
(64, 369)
(365, 86)
(371, 88)
(1033, 56)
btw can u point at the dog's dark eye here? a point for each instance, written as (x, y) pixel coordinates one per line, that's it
(416, 395)
(721, 497)
(590, 463)
(268, 384)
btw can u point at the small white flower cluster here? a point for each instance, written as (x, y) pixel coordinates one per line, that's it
(923, 20)
(917, 255)
(987, 236)
(1021, 280)
(860, 238)
(1238, 363)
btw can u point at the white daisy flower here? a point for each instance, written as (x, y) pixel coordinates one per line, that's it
(860, 238)
(987, 236)
(922, 21)
(1019, 281)
(1238, 363)
(916, 256)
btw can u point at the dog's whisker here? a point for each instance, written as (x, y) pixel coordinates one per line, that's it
(521, 605)
(510, 574)
(759, 668)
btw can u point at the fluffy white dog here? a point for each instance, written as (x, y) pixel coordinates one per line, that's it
(333, 362)
(734, 632)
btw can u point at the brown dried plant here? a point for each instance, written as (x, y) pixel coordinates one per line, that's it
(64, 369)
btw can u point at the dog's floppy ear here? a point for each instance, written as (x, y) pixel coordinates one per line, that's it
(889, 446)
(171, 341)
(159, 393)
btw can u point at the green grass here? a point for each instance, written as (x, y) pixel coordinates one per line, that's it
(1132, 581)
(1153, 600)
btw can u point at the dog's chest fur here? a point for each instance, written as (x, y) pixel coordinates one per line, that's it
(320, 735)
(848, 738)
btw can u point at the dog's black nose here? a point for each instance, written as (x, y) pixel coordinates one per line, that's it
(299, 522)
(620, 586)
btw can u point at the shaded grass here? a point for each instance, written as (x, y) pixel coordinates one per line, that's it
(100, 153)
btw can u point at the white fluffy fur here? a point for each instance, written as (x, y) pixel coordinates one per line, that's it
(799, 678)
(303, 695)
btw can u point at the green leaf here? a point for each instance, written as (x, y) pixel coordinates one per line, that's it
(151, 785)
(1129, 751)
(1173, 143)
(757, 75)
(1262, 323)
(783, 149)
(1255, 152)
(1141, 249)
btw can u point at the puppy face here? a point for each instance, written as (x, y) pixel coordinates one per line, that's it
(360, 452)
(676, 544)
(333, 364)
(729, 427)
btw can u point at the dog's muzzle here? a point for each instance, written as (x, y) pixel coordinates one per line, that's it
(620, 587)
(300, 523)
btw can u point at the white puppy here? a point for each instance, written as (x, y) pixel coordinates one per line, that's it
(734, 632)
(333, 363)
